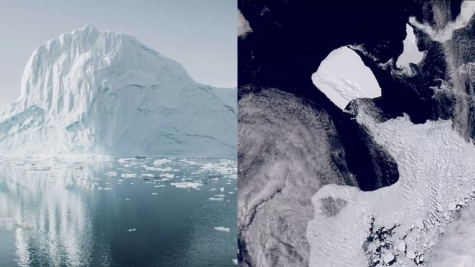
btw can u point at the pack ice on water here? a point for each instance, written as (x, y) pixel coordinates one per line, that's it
(98, 91)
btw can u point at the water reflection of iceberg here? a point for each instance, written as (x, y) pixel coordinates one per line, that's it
(44, 204)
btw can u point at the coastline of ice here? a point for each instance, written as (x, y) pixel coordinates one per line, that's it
(415, 210)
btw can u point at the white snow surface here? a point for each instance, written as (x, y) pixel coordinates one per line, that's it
(411, 53)
(436, 169)
(102, 92)
(342, 77)
(222, 229)
(243, 25)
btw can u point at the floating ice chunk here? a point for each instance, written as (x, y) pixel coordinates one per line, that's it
(223, 229)
(342, 76)
(168, 175)
(154, 193)
(221, 189)
(111, 173)
(127, 198)
(128, 175)
(411, 254)
(235, 261)
(221, 195)
(132, 230)
(213, 189)
(159, 162)
(108, 188)
(389, 258)
(147, 175)
(187, 185)
(216, 199)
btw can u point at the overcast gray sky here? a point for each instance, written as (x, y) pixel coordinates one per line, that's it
(200, 34)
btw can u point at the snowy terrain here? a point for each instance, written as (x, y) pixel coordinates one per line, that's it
(342, 77)
(97, 91)
(409, 216)
(411, 53)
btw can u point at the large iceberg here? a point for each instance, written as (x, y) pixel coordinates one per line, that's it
(96, 91)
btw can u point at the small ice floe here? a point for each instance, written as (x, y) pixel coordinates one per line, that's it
(120, 180)
(127, 198)
(154, 193)
(108, 188)
(411, 254)
(221, 189)
(216, 199)
(221, 195)
(132, 230)
(147, 175)
(100, 188)
(222, 229)
(230, 192)
(389, 258)
(151, 168)
(167, 175)
(160, 185)
(159, 162)
(187, 185)
(213, 189)
(215, 179)
(235, 261)
(128, 175)
(111, 173)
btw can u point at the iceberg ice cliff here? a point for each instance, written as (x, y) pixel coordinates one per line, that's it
(97, 91)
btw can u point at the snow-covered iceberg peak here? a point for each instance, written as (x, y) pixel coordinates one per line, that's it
(105, 92)
(65, 73)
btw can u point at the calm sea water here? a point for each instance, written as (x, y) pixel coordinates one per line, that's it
(102, 211)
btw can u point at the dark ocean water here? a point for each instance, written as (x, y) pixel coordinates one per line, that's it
(65, 213)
